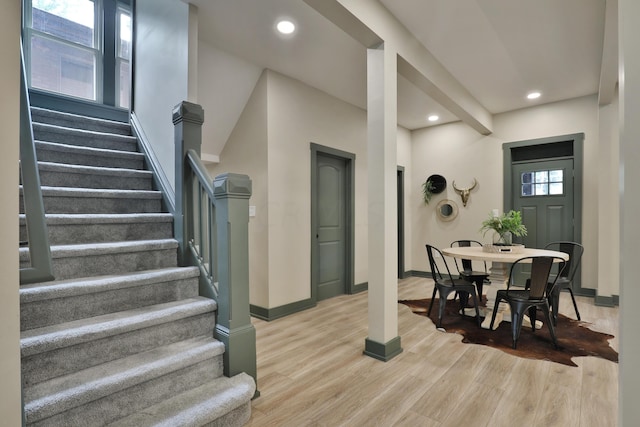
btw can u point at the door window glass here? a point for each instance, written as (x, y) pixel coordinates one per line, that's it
(542, 183)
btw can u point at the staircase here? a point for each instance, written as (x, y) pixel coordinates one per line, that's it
(121, 337)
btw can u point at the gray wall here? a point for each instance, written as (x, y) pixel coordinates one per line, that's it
(161, 61)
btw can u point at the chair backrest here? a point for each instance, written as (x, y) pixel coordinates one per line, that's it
(540, 274)
(575, 251)
(466, 263)
(436, 273)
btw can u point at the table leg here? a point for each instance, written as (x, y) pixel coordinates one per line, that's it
(498, 275)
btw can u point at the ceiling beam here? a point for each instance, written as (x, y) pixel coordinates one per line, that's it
(370, 23)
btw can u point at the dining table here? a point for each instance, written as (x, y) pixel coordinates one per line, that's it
(501, 259)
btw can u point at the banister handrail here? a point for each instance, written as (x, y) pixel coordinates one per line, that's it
(211, 224)
(38, 239)
(200, 171)
(200, 243)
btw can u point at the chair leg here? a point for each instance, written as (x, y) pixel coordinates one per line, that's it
(443, 304)
(479, 284)
(532, 317)
(573, 298)
(464, 300)
(516, 325)
(552, 329)
(476, 303)
(554, 302)
(433, 297)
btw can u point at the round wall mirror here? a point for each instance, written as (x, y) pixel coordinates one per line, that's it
(447, 210)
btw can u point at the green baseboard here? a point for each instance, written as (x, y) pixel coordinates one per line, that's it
(360, 287)
(270, 314)
(612, 301)
(384, 352)
(418, 273)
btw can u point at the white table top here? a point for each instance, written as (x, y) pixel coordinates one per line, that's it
(477, 253)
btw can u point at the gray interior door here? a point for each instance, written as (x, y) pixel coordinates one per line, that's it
(543, 193)
(331, 226)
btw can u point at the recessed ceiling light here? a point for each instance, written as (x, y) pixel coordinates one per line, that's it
(533, 95)
(286, 27)
(433, 118)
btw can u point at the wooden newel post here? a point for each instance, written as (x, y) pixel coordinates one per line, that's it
(187, 122)
(233, 326)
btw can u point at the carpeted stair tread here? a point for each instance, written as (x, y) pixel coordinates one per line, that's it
(199, 406)
(85, 228)
(99, 193)
(94, 219)
(62, 175)
(42, 115)
(95, 249)
(89, 156)
(86, 138)
(40, 340)
(73, 390)
(50, 303)
(95, 170)
(73, 287)
(91, 200)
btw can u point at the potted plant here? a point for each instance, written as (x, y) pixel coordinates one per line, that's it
(427, 190)
(505, 227)
(435, 184)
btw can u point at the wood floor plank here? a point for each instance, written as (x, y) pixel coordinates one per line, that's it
(599, 397)
(559, 406)
(312, 372)
(475, 406)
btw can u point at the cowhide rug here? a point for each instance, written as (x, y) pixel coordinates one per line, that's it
(575, 339)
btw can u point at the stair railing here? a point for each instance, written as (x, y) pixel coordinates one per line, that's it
(212, 227)
(41, 268)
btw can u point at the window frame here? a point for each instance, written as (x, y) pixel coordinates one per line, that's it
(106, 103)
(534, 183)
(96, 50)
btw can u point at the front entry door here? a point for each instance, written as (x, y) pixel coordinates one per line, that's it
(543, 193)
(331, 208)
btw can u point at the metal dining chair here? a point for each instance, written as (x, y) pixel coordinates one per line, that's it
(532, 298)
(444, 284)
(465, 267)
(564, 280)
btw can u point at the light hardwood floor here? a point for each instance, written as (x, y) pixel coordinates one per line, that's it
(311, 372)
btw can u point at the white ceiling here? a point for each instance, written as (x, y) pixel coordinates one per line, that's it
(497, 49)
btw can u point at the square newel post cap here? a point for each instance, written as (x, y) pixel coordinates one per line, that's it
(232, 185)
(188, 112)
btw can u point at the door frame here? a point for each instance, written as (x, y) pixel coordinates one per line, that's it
(400, 185)
(349, 158)
(549, 148)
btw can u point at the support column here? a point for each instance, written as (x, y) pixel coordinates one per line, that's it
(383, 342)
(629, 89)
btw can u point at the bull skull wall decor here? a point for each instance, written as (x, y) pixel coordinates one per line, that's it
(465, 192)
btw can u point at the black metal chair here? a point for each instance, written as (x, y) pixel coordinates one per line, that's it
(465, 267)
(444, 284)
(531, 299)
(565, 278)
